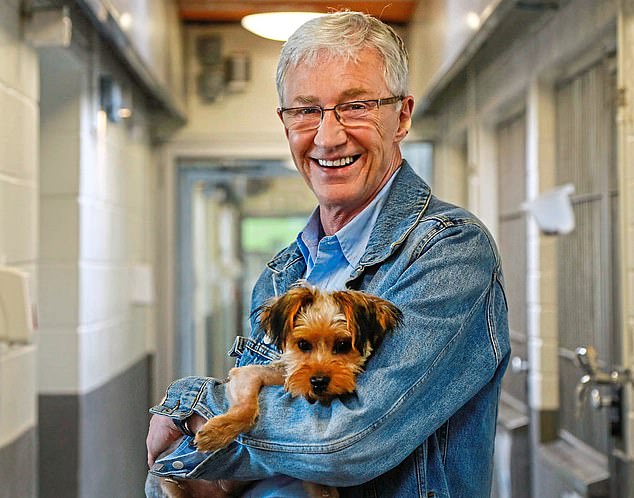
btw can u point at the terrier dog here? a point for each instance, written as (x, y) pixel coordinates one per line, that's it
(325, 339)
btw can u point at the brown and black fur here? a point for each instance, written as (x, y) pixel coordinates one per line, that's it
(325, 339)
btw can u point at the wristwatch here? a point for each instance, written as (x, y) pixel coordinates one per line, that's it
(181, 424)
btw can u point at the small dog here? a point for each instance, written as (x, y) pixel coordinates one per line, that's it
(325, 339)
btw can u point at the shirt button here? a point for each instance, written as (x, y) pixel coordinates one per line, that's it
(178, 465)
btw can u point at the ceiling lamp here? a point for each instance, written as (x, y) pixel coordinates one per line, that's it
(276, 25)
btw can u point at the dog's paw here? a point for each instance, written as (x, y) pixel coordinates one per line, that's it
(214, 435)
(208, 440)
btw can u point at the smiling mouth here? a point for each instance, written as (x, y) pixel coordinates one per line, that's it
(338, 163)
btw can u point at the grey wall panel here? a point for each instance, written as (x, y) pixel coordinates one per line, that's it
(93, 445)
(18, 467)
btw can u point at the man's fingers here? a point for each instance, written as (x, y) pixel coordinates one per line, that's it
(161, 434)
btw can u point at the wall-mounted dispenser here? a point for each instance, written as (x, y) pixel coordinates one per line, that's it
(142, 292)
(553, 211)
(16, 318)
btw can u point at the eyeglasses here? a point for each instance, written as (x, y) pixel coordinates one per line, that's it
(355, 113)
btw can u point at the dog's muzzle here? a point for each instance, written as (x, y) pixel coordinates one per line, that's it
(319, 384)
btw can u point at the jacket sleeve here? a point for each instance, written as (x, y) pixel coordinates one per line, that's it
(453, 340)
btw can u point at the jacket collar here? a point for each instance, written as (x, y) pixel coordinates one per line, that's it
(409, 194)
(406, 203)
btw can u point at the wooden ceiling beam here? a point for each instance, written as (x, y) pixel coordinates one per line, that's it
(396, 11)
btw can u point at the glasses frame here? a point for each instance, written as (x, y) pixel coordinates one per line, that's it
(379, 103)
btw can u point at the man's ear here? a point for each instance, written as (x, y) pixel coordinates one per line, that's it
(404, 118)
(279, 115)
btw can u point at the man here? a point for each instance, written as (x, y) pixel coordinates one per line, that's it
(422, 422)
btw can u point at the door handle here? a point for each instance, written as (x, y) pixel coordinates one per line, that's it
(519, 365)
(604, 387)
(587, 359)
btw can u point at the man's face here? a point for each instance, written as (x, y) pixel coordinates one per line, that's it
(370, 152)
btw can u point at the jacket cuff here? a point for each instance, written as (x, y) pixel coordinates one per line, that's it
(183, 398)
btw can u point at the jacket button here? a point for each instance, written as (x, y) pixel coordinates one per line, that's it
(178, 465)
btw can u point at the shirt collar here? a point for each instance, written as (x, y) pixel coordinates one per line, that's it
(308, 238)
(353, 237)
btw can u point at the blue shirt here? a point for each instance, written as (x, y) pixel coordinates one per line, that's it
(330, 259)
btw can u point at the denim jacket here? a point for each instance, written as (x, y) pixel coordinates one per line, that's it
(422, 422)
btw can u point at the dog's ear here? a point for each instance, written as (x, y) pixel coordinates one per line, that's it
(277, 316)
(369, 317)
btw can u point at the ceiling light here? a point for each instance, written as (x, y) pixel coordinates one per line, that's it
(473, 20)
(276, 25)
(125, 21)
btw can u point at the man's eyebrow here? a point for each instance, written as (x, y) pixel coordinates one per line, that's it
(345, 96)
(305, 100)
(353, 93)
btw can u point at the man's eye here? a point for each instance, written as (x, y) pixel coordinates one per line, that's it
(342, 347)
(304, 345)
(309, 111)
(355, 107)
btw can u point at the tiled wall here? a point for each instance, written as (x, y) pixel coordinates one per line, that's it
(97, 185)
(18, 242)
(77, 203)
(97, 203)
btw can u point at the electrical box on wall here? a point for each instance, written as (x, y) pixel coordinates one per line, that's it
(110, 97)
(16, 319)
(218, 74)
(48, 27)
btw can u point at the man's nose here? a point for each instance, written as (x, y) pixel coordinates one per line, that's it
(330, 132)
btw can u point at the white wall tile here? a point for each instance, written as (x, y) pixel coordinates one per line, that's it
(104, 293)
(59, 161)
(96, 362)
(58, 295)
(18, 135)
(19, 61)
(18, 222)
(59, 229)
(58, 361)
(107, 349)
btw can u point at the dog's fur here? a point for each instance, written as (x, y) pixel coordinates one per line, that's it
(325, 339)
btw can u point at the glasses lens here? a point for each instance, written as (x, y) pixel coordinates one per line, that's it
(351, 112)
(302, 118)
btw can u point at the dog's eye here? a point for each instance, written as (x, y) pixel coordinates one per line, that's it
(343, 346)
(304, 345)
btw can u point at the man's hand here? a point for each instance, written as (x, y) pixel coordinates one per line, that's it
(198, 488)
(162, 433)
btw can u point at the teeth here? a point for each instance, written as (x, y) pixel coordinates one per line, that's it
(344, 161)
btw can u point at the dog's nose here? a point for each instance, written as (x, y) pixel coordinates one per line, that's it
(319, 383)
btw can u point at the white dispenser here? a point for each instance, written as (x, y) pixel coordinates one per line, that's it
(16, 318)
(553, 210)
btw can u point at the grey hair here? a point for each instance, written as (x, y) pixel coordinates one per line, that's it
(345, 34)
